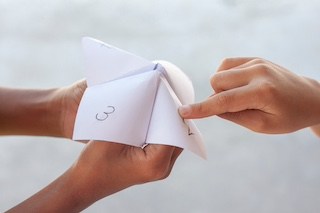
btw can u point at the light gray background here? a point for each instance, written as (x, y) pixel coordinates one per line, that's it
(245, 172)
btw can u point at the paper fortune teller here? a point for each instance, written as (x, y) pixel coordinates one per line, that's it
(133, 101)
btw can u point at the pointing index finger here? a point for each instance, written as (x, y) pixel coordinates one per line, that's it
(233, 100)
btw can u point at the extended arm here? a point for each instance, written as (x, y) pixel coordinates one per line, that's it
(102, 169)
(46, 112)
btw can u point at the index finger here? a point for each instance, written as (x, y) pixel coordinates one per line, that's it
(233, 100)
(229, 63)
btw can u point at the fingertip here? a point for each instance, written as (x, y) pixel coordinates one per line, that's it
(185, 111)
(198, 110)
(192, 111)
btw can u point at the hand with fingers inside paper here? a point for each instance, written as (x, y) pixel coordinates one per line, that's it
(133, 101)
(126, 104)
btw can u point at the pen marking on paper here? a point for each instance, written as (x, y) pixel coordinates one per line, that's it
(156, 66)
(103, 116)
(189, 129)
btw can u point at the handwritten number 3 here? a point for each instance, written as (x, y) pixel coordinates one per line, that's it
(189, 129)
(103, 116)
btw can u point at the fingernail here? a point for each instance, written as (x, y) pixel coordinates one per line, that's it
(185, 110)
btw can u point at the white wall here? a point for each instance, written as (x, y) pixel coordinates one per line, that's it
(246, 172)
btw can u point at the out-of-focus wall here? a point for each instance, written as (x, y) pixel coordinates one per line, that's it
(245, 172)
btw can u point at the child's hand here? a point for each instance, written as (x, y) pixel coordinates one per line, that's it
(261, 96)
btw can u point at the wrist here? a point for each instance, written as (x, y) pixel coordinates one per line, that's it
(314, 107)
(62, 195)
(50, 113)
(28, 112)
(55, 112)
(95, 180)
(73, 192)
(90, 184)
(65, 105)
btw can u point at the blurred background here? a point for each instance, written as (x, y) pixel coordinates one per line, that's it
(245, 171)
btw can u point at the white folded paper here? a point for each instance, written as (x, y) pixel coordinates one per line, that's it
(133, 101)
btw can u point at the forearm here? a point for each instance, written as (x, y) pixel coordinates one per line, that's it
(29, 112)
(102, 169)
(316, 128)
(73, 191)
(62, 195)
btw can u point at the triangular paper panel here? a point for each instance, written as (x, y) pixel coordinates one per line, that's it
(133, 101)
(167, 127)
(179, 82)
(107, 109)
(104, 62)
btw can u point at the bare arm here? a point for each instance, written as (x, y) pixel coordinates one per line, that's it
(102, 169)
(43, 112)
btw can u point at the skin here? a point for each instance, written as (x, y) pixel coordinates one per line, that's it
(261, 96)
(101, 169)
(47, 112)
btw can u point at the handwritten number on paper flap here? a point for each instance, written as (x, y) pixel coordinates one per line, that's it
(189, 131)
(104, 115)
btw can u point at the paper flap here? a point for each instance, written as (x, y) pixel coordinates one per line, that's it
(179, 82)
(133, 101)
(118, 111)
(104, 62)
(167, 127)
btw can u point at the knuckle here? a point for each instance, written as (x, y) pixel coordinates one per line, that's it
(266, 90)
(225, 63)
(226, 60)
(154, 172)
(216, 80)
(264, 69)
(258, 60)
